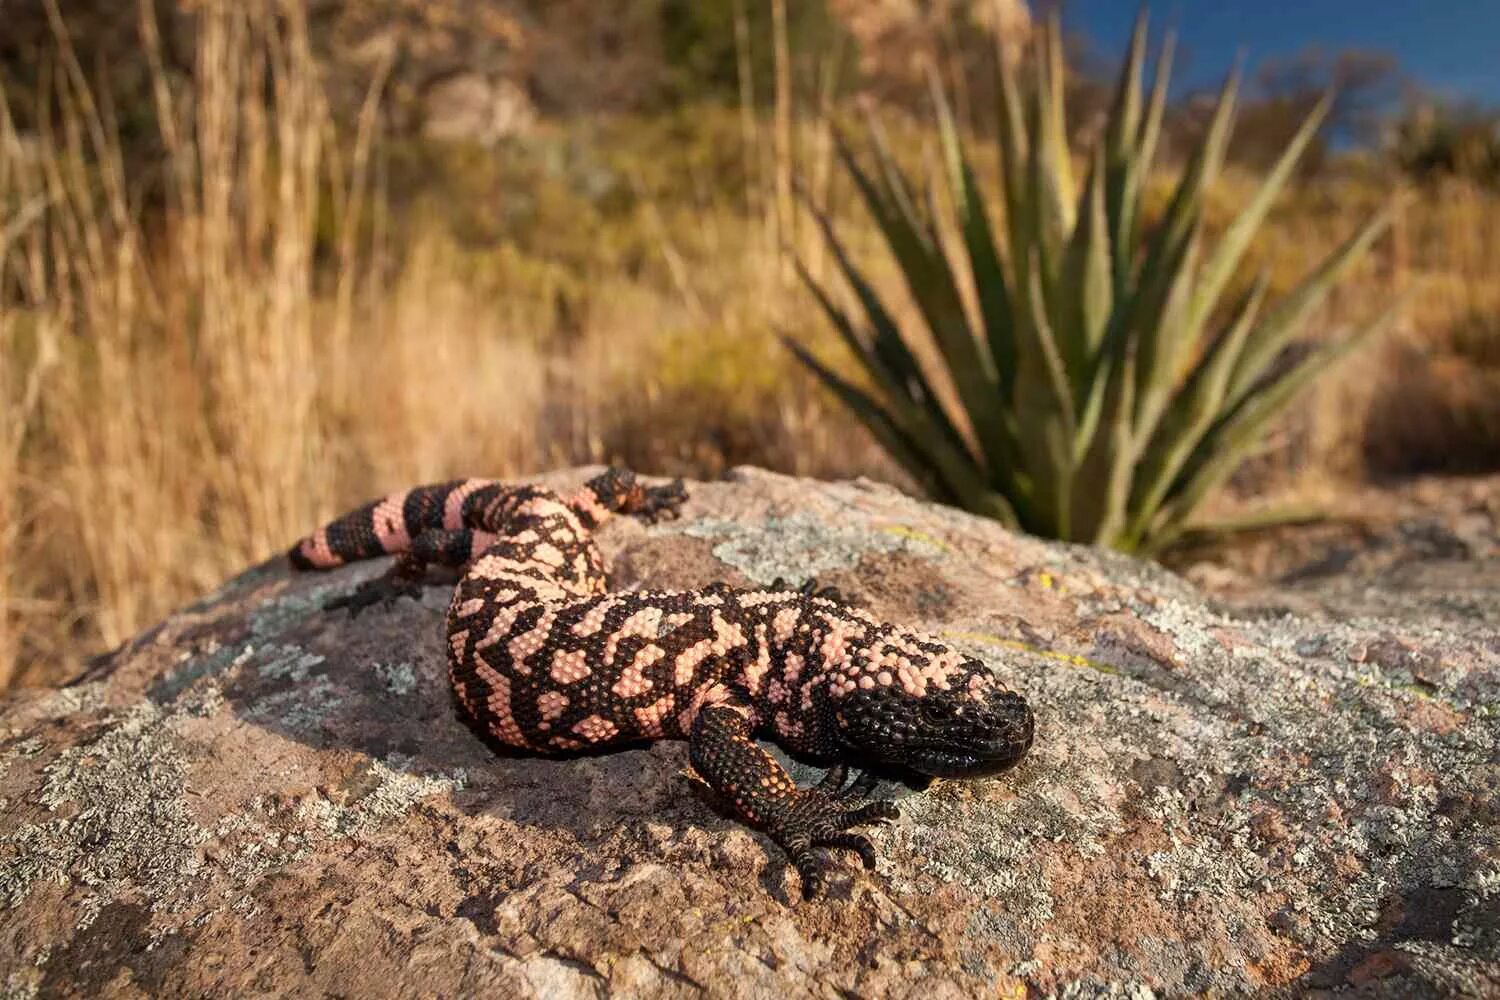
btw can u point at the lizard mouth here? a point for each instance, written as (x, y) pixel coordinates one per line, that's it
(959, 764)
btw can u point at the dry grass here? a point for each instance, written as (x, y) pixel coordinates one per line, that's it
(193, 396)
(185, 396)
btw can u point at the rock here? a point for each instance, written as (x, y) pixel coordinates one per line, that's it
(255, 797)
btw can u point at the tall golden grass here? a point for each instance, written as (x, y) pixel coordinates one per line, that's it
(184, 399)
(190, 385)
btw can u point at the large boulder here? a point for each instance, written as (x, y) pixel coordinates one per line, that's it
(258, 797)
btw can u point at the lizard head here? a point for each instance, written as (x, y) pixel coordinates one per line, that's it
(935, 712)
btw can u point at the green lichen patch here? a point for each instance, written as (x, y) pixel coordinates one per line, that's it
(801, 547)
(119, 823)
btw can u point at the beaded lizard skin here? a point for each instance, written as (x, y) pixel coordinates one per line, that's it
(542, 657)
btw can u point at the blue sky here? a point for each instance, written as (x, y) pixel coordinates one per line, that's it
(1449, 46)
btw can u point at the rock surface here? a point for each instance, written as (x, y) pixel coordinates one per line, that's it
(255, 797)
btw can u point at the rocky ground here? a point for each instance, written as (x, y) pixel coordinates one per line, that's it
(1288, 790)
(1427, 549)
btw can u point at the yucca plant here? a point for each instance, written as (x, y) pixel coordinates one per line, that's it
(1106, 388)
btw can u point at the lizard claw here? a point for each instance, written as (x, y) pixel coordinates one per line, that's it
(822, 819)
(809, 588)
(381, 590)
(661, 503)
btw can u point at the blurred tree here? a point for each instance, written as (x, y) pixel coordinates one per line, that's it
(698, 45)
(1433, 138)
(1283, 90)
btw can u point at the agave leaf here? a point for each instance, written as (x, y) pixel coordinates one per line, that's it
(1279, 516)
(1128, 175)
(985, 266)
(1044, 408)
(903, 373)
(1156, 109)
(1054, 126)
(1168, 253)
(933, 287)
(1104, 469)
(1221, 451)
(1086, 287)
(907, 452)
(1192, 412)
(1236, 239)
(1170, 344)
(1124, 122)
(1098, 408)
(1282, 322)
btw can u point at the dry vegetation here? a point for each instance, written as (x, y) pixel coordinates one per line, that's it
(189, 384)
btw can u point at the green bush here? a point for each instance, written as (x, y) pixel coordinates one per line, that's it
(1106, 391)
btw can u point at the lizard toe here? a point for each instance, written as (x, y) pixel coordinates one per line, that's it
(856, 842)
(834, 780)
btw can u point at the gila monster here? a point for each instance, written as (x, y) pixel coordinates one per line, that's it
(544, 658)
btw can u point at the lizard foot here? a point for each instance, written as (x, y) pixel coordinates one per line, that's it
(660, 503)
(821, 817)
(810, 588)
(384, 590)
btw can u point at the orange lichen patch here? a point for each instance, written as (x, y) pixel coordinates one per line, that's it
(649, 720)
(1110, 899)
(1432, 716)
(1132, 636)
(596, 729)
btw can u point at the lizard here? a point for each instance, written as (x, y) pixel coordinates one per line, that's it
(545, 659)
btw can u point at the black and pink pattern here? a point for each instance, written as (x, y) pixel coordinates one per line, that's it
(545, 659)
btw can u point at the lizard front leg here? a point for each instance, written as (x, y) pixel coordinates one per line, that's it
(764, 795)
